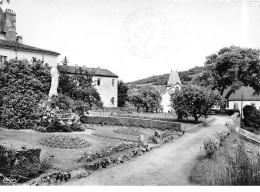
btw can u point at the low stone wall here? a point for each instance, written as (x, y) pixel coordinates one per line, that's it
(133, 122)
(19, 161)
(251, 137)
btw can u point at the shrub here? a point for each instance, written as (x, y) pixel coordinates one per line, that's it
(53, 119)
(211, 144)
(251, 116)
(22, 86)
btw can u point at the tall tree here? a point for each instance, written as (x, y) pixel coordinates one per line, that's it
(65, 61)
(231, 68)
(122, 93)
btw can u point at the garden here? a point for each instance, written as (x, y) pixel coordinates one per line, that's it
(67, 144)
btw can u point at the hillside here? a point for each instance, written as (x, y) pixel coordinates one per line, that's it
(185, 77)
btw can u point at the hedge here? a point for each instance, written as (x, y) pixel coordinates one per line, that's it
(135, 122)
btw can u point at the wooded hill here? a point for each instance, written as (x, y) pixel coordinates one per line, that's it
(185, 76)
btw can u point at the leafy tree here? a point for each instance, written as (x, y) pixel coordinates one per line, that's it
(194, 100)
(232, 67)
(80, 87)
(22, 86)
(122, 93)
(146, 97)
(65, 61)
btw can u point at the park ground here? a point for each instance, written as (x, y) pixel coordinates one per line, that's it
(170, 164)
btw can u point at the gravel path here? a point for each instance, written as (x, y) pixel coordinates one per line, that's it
(168, 165)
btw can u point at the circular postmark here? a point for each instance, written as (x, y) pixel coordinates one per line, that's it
(145, 33)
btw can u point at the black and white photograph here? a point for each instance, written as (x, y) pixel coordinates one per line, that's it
(129, 93)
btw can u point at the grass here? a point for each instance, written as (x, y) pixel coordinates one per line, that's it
(237, 162)
(108, 131)
(55, 158)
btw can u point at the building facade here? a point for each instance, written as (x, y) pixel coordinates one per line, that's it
(11, 45)
(174, 83)
(104, 81)
(242, 97)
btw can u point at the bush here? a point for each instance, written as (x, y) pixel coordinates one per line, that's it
(231, 111)
(22, 86)
(53, 119)
(251, 116)
(211, 144)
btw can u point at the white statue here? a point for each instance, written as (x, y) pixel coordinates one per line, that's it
(54, 81)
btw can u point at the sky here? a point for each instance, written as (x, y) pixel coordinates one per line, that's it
(137, 39)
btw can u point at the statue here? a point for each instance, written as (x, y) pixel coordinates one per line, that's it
(54, 81)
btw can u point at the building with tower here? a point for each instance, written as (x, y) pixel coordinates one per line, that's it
(11, 45)
(173, 83)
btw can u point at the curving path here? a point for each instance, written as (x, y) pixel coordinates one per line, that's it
(168, 165)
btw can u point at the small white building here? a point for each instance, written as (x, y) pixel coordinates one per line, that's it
(174, 83)
(249, 98)
(104, 80)
(11, 45)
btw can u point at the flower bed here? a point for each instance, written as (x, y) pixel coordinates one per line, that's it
(64, 142)
(106, 151)
(132, 122)
(128, 131)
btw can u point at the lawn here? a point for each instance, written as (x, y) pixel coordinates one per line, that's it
(109, 131)
(63, 159)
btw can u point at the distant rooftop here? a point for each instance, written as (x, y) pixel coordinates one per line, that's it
(173, 78)
(98, 71)
(22, 47)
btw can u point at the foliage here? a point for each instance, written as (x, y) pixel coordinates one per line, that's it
(80, 87)
(235, 163)
(62, 141)
(51, 118)
(65, 61)
(194, 100)
(122, 93)
(22, 86)
(211, 144)
(185, 76)
(106, 151)
(128, 131)
(251, 116)
(231, 68)
(146, 97)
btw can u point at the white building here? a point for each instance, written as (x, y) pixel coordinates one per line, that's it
(174, 83)
(11, 45)
(249, 98)
(104, 80)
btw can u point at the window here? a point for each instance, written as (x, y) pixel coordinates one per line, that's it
(2, 59)
(113, 82)
(112, 100)
(227, 104)
(98, 81)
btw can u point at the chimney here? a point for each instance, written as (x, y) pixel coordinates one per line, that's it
(10, 25)
(19, 39)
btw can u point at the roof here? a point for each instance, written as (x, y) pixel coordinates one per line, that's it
(22, 47)
(173, 78)
(98, 71)
(247, 94)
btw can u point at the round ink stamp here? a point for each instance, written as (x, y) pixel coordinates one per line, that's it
(146, 33)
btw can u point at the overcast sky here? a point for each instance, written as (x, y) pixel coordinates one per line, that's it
(136, 39)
